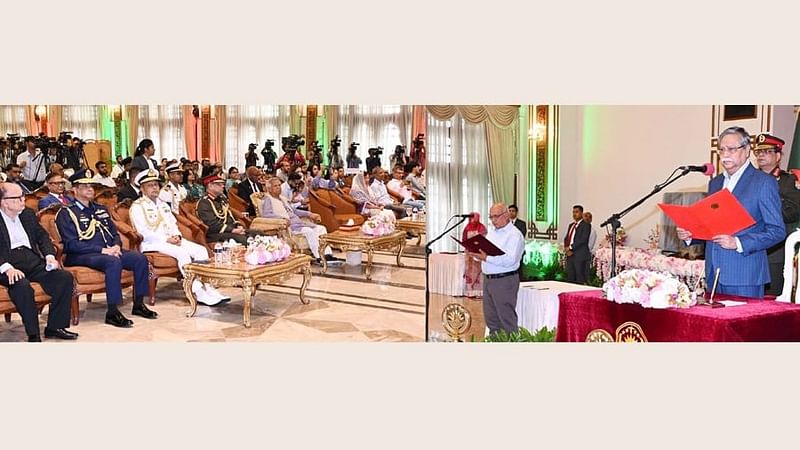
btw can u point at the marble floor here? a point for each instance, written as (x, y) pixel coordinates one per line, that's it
(344, 307)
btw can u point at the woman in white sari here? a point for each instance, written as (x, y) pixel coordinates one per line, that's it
(364, 196)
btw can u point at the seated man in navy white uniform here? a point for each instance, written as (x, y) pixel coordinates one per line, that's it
(91, 239)
(153, 219)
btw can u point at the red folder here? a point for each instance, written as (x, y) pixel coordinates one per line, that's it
(477, 243)
(719, 213)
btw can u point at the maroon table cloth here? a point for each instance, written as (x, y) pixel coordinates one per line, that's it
(758, 321)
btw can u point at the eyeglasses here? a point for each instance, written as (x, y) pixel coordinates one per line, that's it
(722, 150)
(497, 216)
(56, 182)
(765, 150)
(18, 197)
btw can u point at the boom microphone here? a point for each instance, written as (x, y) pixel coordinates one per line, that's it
(468, 216)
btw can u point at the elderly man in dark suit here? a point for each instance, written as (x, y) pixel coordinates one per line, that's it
(27, 255)
(576, 245)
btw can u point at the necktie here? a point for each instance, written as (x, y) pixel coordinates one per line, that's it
(255, 187)
(571, 232)
(63, 199)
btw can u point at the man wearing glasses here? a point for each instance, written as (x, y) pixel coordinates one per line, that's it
(501, 284)
(742, 259)
(56, 186)
(26, 255)
(768, 152)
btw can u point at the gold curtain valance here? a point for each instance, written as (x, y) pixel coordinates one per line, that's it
(501, 116)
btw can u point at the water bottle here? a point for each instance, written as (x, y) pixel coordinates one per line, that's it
(414, 214)
(226, 253)
(217, 253)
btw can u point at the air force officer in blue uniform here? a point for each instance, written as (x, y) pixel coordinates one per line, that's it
(91, 239)
(742, 258)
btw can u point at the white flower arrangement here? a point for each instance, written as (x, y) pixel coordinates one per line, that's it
(650, 289)
(266, 249)
(379, 225)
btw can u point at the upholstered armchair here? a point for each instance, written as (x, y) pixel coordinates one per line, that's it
(275, 226)
(161, 265)
(334, 209)
(87, 281)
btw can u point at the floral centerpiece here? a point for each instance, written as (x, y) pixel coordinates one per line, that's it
(621, 238)
(379, 225)
(266, 249)
(649, 289)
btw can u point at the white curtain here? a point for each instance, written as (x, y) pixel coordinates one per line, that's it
(372, 126)
(253, 124)
(163, 124)
(82, 120)
(457, 174)
(13, 119)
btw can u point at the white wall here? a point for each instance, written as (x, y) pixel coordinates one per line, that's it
(613, 155)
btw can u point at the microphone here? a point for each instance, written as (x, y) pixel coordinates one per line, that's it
(468, 216)
(707, 169)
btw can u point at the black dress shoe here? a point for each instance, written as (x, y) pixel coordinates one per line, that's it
(34, 338)
(60, 333)
(118, 320)
(143, 311)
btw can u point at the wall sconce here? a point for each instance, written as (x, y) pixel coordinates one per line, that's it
(537, 133)
(541, 131)
(40, 113)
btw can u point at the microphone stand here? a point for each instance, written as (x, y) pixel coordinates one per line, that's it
(614, 219)
(427, 286)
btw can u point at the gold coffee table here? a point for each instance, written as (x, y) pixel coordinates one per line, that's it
(416, 226)
(246, 276)
(356, 240)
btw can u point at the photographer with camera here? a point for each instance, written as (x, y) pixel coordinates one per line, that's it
(334, 158)
(374, 158)
(269, 156)
(291, 152)
(33, 165)
(315, 157)
(399, 158)
(418, 151)
(250, 158)
(73, 156)
(353, 161)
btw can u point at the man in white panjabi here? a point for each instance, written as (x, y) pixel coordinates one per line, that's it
(275, 206)
(154, 220)
(173, 192)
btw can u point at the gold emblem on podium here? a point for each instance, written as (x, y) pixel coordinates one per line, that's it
(627, 332)
(456, 320)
